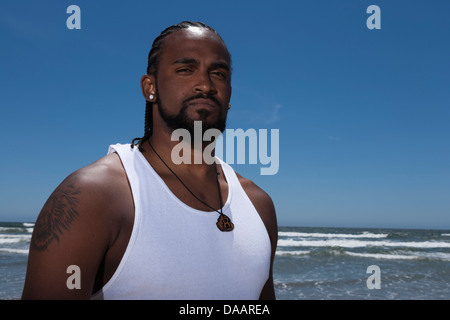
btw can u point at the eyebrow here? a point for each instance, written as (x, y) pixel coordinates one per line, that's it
(190, 61)
(221, 65)
(195, 62)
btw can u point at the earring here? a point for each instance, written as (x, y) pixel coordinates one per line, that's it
(151, 97)
(229, 106)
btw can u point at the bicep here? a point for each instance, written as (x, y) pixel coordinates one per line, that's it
(65, 249)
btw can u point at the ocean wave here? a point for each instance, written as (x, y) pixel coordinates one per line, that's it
(395, 256)
(17, 229)
(365, 234)
(5, 239)
(382, 256)
(29, 226)
(399, 255)
(292, 253)
(360, 243)
(437, 255)
(11, 250)
(13, 229)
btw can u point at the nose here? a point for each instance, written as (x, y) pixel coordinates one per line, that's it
(204, 84)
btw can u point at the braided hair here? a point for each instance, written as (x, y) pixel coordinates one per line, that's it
(152, 69)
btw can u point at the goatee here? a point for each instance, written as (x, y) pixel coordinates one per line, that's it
(181, 120)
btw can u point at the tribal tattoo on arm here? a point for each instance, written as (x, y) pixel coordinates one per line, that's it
(58, 213)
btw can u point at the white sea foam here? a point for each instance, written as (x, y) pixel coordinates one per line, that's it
(436, 255)
(12, 229)
(445, 234)
(332, 235)
(10, 250)
(382, 256)
(4, 239)
(359, 243)
(18, 229)
(292, 253)
(410, 256)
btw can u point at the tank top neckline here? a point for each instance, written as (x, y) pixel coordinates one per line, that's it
(176, 199)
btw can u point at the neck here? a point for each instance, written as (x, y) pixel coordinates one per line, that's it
(181, 155)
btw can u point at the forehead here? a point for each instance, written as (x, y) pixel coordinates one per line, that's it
(194, 42)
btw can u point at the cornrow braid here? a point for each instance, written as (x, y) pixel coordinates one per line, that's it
(152, 69)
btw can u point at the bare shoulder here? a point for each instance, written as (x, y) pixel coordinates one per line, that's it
(263, 204)
(101, 171)
(255, 193)
(83, 197)
(82, 223)
(103, 186)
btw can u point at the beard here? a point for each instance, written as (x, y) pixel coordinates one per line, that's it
(181, 120)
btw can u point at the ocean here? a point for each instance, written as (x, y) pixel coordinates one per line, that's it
(312, 263)
(355, 263)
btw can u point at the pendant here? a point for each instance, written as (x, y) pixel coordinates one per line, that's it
(224, 223)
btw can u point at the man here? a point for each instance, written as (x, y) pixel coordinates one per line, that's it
(136, 225)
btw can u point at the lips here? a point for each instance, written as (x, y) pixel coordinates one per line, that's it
(202, 103)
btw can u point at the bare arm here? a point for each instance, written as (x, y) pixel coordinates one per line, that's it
(266, 209)
(268, 215)
(74, 228)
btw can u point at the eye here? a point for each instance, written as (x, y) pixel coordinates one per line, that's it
(219, 74)
(184, 70)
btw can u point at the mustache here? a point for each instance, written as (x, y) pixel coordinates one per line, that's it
(202, 96)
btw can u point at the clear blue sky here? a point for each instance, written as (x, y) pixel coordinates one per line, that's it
(363, 115)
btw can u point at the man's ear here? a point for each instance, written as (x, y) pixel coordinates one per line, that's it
(148, 87)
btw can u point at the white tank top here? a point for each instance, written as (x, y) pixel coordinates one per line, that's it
(176, 252)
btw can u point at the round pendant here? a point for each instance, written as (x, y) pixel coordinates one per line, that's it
(224, 223)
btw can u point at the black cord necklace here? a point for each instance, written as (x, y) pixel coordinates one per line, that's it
(223, 222)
